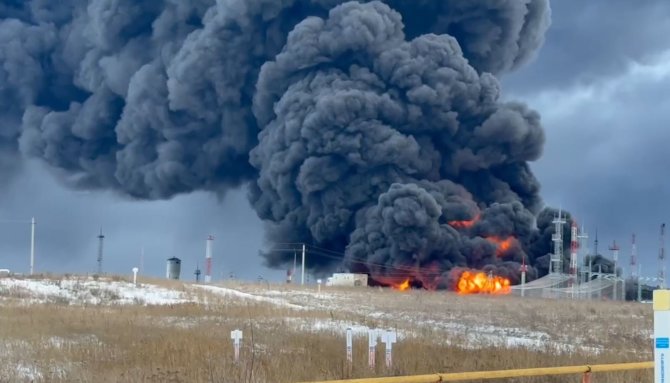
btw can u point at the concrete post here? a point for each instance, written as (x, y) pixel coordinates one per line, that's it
(661, 335)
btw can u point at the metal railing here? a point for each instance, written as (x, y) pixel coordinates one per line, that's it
(586, 370)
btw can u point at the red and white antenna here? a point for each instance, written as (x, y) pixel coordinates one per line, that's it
(633, 258)
(208, 259)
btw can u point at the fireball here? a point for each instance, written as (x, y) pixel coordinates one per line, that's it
(402, 286)
(466, 224)
(481, 283)
(504, 244)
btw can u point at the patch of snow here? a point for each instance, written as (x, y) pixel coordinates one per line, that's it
(326, 325)
(24, 371)
(223, 291)
(74, 291)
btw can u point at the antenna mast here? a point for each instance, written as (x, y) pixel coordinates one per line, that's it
(661, 258)
(633, 258)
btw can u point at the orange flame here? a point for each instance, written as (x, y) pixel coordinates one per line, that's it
(480, 283)
(464, 224)
(402, 286)
(503, 244)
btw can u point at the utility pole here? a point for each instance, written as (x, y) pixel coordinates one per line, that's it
(614, 248)
(583, 247)
(32, 245)
(633, 258)
(302, 278)
(639, 283)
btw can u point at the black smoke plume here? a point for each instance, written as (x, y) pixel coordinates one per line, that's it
(365, 127)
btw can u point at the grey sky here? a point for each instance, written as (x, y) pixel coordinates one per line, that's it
(68, 224)
(600, 83)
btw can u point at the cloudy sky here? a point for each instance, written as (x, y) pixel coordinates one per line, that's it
(600, 82)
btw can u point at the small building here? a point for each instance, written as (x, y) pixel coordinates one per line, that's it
(5, 272)
(173, 268)
(347, 280)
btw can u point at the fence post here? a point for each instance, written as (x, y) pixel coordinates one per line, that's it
(661, 335)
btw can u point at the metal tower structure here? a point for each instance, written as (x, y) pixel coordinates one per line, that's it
(556, 264)
(208, 259)
(574, 247)
(101, 239)
(633, 258)
(583, 238)
(614, 248)
(197, 273)
(661, 258)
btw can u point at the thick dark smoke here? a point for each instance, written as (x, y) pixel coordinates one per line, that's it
(364, 127)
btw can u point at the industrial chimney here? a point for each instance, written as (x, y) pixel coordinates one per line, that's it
(208, 259)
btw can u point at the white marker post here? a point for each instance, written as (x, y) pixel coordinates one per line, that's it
(661, 335)
(373, 336)
(318, 282)
(135, 270)
(389, 338)
(350, 348)
(236, 336)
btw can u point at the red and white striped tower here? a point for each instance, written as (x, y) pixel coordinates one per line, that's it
(574, 247)
(208, 259)
(633, 258)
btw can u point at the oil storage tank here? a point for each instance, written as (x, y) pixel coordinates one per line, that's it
(173, 268)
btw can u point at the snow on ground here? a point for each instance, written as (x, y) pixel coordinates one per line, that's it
(88, 291)
(31, 373)
(443, 326)
(328, 325)
(227, 292)
(452, 330)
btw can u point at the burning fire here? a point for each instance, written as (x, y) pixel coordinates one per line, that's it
(464, 224)
(401, 286)
(480, 283)
(503, 244)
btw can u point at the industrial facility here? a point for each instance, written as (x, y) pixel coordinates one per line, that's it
(584, 280)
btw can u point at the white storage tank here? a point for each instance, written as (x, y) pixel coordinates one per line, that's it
(173, 268)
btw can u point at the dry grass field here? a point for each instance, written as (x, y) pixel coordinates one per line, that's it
(76, 330)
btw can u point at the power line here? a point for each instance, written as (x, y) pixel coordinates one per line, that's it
(400, 270)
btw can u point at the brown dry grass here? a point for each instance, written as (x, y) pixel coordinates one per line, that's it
(191, 342)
